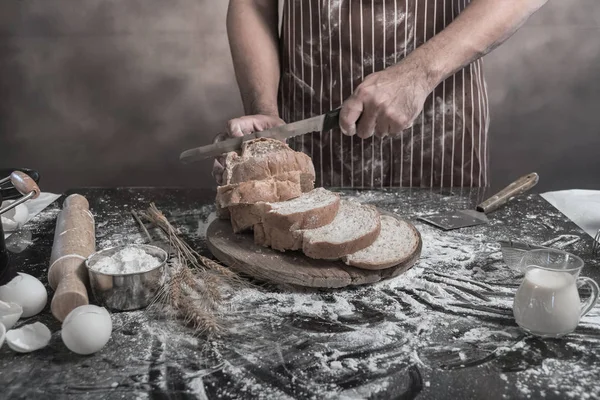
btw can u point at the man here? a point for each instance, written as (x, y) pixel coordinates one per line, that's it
(407, 73)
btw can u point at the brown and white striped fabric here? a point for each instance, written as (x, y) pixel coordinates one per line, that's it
(329, 46)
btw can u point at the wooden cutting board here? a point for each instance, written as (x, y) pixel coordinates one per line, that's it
(238, 252)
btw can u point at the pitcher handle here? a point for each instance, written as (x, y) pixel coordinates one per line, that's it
(591, 302)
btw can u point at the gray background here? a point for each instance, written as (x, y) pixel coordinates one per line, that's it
(108, 92)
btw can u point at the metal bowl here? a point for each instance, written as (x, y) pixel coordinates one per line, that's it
(124, 292)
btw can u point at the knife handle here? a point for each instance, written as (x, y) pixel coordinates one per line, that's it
(519, 186)
(331, 120)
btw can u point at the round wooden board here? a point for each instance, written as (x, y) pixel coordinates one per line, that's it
(239, 253)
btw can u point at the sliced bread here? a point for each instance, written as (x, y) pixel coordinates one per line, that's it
(354, 228)
(396, 243)
(278, 188)
(265, 158)
(309, 211)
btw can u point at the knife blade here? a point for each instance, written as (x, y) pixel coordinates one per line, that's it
(321, 123)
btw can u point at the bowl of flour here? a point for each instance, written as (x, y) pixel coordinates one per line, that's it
(127, 277)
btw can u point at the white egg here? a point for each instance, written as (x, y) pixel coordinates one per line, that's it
(29, 337)
(2, 334)
(26, 291)
(86, 329)
(10, 314)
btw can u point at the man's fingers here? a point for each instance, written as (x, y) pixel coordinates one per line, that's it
(366, 126)
(252, 123)
(236, 127)
(352, 110)
(382, 127)
(220, 137)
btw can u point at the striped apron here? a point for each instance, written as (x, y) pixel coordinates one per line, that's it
(329, 46)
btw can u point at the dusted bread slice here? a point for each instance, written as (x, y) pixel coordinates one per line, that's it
(280, 188)
(311, 210)
(396, 242)
(265, 158)
(355, 227)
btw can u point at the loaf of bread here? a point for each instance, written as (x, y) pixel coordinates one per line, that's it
(265, 158)
(269, 188)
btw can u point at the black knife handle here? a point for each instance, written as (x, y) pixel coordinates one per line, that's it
(332, 120)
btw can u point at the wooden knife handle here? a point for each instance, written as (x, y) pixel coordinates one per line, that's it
(24, 184)
(518, 187)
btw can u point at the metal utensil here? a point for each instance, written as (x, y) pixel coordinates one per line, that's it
(321, 123)
(29, 189)
(463, 218)
(131, 291)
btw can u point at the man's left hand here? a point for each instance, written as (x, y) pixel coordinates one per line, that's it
(387, 102)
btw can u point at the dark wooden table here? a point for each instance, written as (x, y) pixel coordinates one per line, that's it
(442, 331)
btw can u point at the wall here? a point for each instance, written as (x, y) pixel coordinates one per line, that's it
(108, 92)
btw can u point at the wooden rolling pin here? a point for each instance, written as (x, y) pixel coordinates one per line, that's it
(74, 241)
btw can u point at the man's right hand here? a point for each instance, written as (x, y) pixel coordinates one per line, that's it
(240, 127)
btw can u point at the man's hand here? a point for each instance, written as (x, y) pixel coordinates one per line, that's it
(240, 127)
(387, 102)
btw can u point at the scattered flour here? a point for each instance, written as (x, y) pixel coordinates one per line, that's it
(129, 260)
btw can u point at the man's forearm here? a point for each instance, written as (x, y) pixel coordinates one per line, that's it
(253, 40)
(480, 28)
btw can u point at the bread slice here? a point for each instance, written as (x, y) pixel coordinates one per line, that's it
(396, 243)
(309, 211)
(266, 158)
(312, 210)
(354, 228)
(279, 188)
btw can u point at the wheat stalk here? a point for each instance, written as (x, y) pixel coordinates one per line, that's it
(196, 287)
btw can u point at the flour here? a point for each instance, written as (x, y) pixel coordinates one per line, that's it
(129, 260)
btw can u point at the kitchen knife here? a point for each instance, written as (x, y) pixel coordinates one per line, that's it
(463, 218)
(321, 123)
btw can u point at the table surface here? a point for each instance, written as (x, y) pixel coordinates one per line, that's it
(443, 330)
